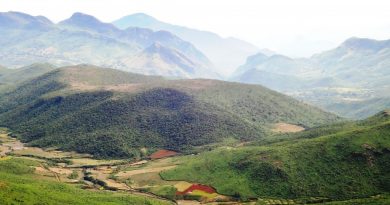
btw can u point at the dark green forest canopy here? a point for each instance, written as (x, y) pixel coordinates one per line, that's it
(110, 113)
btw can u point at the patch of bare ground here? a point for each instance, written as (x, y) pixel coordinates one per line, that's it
(126, 88)
(286, 128)
(138, 163)
(127, 174)
(82, 86)
(187, 202)
(40, 170)
(103, 175)
(194, 84)
(163, 153)
(79, 162)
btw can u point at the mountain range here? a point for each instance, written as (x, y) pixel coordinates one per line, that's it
(225, 53)
(350, 80)
(346, 80)
(82, 38)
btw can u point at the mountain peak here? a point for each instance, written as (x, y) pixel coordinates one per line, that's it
(81, 19)
(365, 44)
(142, 16)
(87, 22)
(135, 20)
(18, 20)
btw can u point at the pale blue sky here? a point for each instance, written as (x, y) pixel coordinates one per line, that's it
(291, 27)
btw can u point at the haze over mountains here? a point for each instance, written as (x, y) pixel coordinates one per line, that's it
(346, 80)
(84, 39)
(225, 53)
(350, 80)
(139, 111)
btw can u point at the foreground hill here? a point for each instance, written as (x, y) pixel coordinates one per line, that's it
(351, 75)
(20, 185)
(334, 162)
(82, 38)
(121, 113)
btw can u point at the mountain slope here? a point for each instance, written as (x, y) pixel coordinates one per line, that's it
(340, 161)
(225, 53)
(14, 76)
(21, 183)
(122, 112)
(160, 60)
(85, 39)
(351, 75)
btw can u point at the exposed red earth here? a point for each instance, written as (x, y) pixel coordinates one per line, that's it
(200, 187)
(162, 154)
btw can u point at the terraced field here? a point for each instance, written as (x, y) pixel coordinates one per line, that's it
(138, 177)
(141, 178)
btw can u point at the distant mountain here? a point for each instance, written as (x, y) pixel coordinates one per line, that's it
(354, 74)
(4, 70)
(24, 21)
(225, 53)
(121, 112)
(360, 61)
(84, 39)
(86, 22)
(159, 60)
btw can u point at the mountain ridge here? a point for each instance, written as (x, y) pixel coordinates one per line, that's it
(133, 111)
(336, 80)
(225, 53)
(85, 39)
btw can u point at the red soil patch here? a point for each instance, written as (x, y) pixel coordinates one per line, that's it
(162, 154)
(200, 187)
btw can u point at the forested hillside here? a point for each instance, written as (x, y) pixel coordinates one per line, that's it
(332, 162)
(121, 112)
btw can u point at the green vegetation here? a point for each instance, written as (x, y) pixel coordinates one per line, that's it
(13, 76)
(166, 191)
(122, 112)
(350, 160)
(18, 185)
(73, 175)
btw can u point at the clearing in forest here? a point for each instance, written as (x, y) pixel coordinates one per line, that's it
(285, 128)
(163, 153)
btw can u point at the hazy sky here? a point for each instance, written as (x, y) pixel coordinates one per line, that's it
(291, 27)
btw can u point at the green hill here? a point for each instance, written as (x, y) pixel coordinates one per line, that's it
(110, 113)
(335, 162)
(12, 76)
(19, 185)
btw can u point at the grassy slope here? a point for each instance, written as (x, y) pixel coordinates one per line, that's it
(118, 111)
(12, 76)
(343, 164)
(9, 78)
(18, 185)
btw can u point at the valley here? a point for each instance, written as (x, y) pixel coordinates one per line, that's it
(99, 106)
(168, 177)
(191, 141)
